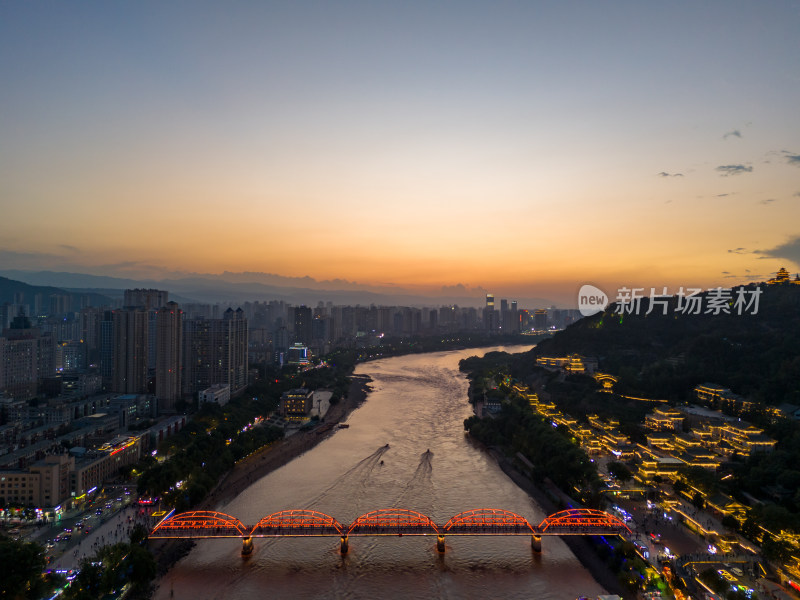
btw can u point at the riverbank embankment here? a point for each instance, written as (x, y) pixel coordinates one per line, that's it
(262, 463)
(579, 546)
(276, 455)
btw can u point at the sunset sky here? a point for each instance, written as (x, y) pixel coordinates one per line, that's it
(521, 147)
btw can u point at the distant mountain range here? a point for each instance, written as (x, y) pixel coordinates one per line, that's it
(240, 287)
(9, 288)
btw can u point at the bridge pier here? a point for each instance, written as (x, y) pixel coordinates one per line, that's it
(536, 542)
(247, 546)
(440, 543)
(344, 545)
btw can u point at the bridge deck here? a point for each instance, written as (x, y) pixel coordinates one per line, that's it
(387, 522)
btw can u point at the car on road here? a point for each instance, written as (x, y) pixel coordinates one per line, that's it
(643, 550)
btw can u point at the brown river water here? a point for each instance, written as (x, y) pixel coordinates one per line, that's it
(418, 403)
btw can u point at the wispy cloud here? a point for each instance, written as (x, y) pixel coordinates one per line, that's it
(14, 259)
(740, 277)
(134, 269)
(734, 133)
(462, 290)
(728, 170)
(69, 248)
(792, 159)
(767, 201)
(725, 194)
(665, 174)
(789, 251)
(738, 251)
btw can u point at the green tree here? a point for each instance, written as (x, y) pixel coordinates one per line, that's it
(140, 569)
(751, 529)
(138, 534)
(21, 566)
(88, 584)
(619, 471)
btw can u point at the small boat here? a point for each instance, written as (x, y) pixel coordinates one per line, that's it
(343, 425)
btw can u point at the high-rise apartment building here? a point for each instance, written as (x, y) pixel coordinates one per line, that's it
(280, 346)
(169, 348)
(490, 321)
(130, 350)
(302, 324)
(90, 320)
(147, 299)
(27, 356)
(215, 351)
(540, 319)
(150, 300)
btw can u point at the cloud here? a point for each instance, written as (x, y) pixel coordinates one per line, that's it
(726, 272)
(734, 133)
(739, 251)
(69, 248)
(796, 194)
(767, 201)
(728, 170)
(787, 251)
(133, 269)
(792, 159)
(746, 277)
(723, 195)
(12, 259)
(463, 290)
(665, 174)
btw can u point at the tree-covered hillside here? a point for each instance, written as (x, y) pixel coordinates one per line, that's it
(666, 356)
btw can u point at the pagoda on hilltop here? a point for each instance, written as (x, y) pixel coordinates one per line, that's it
(782, 276)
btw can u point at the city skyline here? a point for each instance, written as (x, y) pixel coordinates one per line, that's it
(518, 148)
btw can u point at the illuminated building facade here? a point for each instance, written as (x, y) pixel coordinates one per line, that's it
(297, 403)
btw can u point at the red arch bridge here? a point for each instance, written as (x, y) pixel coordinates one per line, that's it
(387, 521)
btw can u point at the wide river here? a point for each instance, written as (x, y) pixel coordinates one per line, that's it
(418, 403)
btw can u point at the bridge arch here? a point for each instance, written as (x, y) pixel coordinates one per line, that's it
(393, 521)
(297, 522)
(199, 524)
(487, 521)
(581, 521)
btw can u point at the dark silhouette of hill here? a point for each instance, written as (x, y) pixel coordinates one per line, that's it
(10, 287)
(666, 356)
